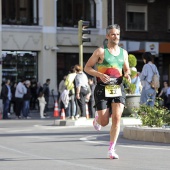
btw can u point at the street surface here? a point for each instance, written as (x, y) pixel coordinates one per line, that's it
(39, 145)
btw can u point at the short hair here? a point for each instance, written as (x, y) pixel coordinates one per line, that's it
(116, 26)
(23, 80)
(78, 68)
(48, 80)
(41, 94)
(72, 69)
(27, 82)
(147, 56)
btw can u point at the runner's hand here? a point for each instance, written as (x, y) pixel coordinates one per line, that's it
(104, 78)
(127, 76)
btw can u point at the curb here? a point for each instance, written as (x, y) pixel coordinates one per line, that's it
(89, 122)
(147, 134)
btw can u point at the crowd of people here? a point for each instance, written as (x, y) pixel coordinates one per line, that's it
(76, 94)
(19, 98)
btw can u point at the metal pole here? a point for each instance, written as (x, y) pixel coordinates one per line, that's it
(81, 55)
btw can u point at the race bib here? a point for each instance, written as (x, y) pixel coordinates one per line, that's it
(113, 91)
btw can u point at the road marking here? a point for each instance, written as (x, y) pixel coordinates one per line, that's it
(142, 147)
(51, 159)
(89, 139)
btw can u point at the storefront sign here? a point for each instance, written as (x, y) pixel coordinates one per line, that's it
(152, 47)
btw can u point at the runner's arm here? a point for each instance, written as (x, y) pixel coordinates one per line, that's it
(126, 67)
(95, 58)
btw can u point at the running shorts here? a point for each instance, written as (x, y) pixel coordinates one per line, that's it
(102, 102)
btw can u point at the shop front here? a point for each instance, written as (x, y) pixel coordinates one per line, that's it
(18, 65)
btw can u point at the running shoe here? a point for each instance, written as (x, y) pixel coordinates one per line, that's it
(112, 154)
(95, 124)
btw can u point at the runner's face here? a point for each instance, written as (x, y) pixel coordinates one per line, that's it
(114, 36)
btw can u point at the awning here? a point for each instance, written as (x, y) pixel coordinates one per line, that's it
(164, 47)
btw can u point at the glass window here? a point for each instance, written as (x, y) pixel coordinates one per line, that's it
(109, 14)
(136, 18)
(69, 12)
(17, 65)
(169, 19)
(20, 12)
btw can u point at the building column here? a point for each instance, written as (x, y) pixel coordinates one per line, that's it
(47, 57)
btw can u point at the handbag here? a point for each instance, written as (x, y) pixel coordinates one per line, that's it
(84, 90)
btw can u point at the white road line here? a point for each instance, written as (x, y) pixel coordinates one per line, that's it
(90, 139)
(142, 147)
(51, 159)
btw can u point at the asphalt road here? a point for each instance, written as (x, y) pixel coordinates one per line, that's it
(39, 145)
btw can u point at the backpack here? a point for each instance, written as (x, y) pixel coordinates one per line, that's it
(155, 83)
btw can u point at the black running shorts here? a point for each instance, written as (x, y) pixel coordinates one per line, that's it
(102, 102)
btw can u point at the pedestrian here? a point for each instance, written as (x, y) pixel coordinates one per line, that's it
(6, 98)
(19, 94)
(69, 84)
(91, 101)
(33, 89)
(109, 92)
(13, 100)
(46, 91)
(163, 94)
(38, 90)
(61, 88)
(63, 97)
(168, 98)
(148, 93)
(42, 104)
(26, 100)
(82, 89)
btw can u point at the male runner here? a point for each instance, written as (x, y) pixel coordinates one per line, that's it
(109, 92)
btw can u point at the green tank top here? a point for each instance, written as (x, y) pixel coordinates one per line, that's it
(112, 65)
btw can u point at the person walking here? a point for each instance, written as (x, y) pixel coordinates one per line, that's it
(109, 92)
(13, 100)
(91, 101)
(33, 90)
(163, 94)
(19, 94)
(82, 89)
(6, 98)
(42, 104)
(148, 93)
(46, 91)
(69, 84)
(26, 100)
(38, 90)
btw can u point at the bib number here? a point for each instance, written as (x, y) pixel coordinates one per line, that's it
(113, 91)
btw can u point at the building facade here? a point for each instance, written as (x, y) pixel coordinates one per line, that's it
(39, 38)
(145, 26)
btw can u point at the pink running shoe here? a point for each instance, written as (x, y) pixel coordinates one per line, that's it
(112, 154)
(95, 124)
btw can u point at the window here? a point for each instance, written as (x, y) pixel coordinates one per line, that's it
(20, 12)
(17, 65)
(69, 12)
(109, 14)
(169, 19)
(136, 18)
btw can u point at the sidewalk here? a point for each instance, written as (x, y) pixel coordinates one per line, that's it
(34, 115)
